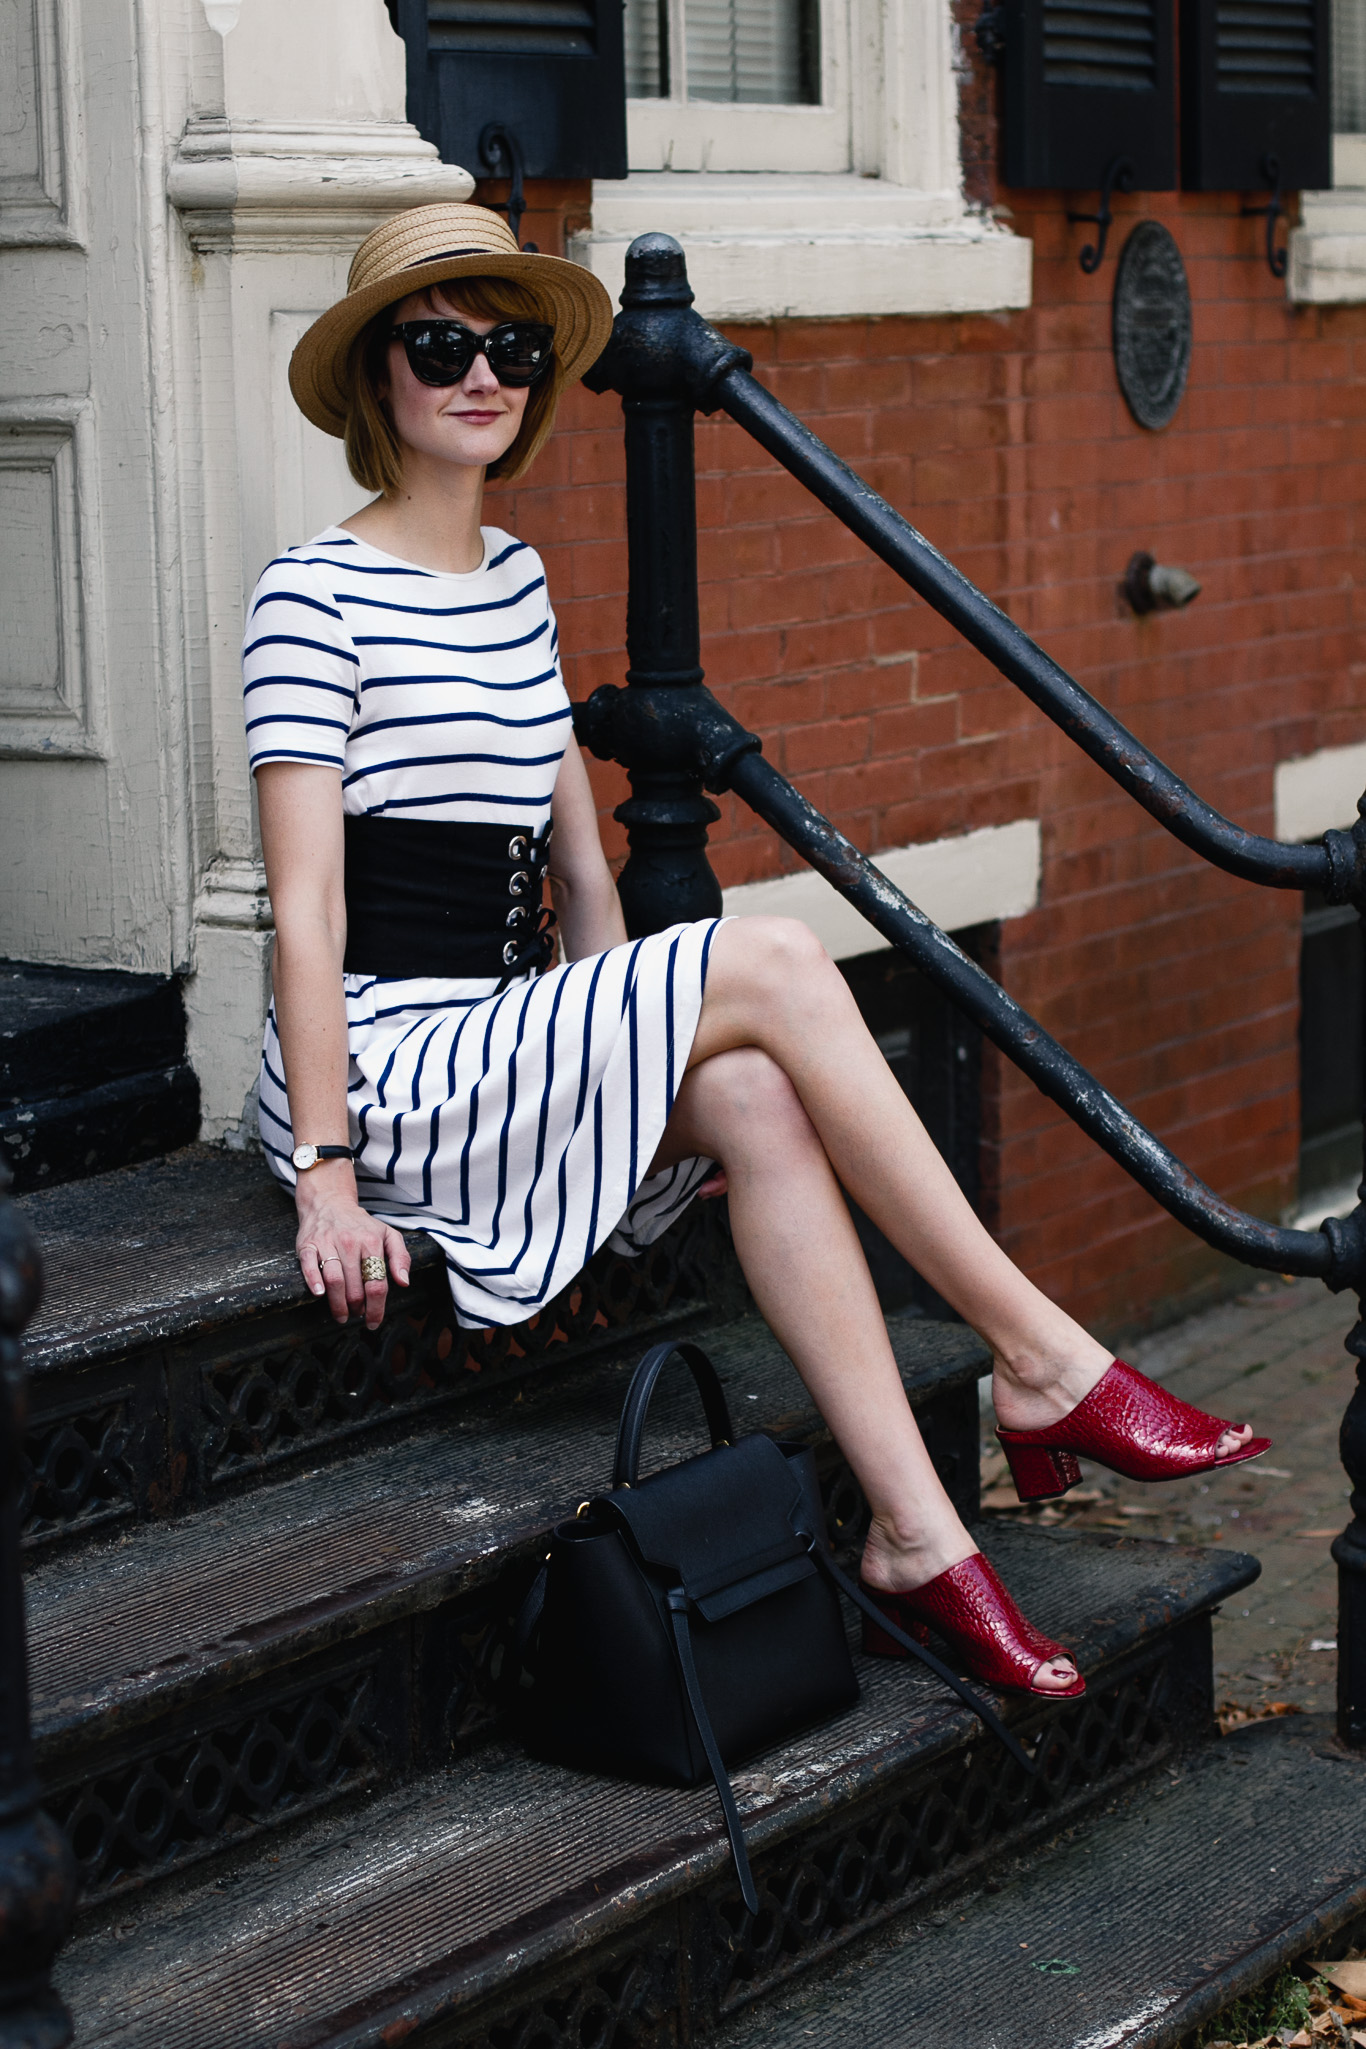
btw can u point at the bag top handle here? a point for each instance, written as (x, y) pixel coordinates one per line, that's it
(626, 1464)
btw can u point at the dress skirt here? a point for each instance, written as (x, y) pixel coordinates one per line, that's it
(517, 1126)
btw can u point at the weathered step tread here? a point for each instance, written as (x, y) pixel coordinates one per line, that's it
(1130, 1933)
(440, 1892)
(183, 1606)
(158, 1251)
(63, 1030)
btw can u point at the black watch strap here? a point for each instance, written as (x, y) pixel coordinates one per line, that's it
(320, 1152)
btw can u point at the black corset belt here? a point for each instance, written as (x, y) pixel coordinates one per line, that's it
(424, 897)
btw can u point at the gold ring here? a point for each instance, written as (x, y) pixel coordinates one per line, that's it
(372, 1267)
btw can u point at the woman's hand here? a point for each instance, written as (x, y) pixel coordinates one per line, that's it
(335, 1235)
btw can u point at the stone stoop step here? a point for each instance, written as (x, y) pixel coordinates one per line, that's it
(502, 1900)
(1182, 1898)
(93, 1072)
(177, 1355)
(199, 1678)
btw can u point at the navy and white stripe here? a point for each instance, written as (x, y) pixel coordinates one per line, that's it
(515, 1125)
(438, 696)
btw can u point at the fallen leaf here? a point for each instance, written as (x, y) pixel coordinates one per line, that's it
(1319, 1533)
(1231, 1714)
(1127, 1509)
(1348, 1977)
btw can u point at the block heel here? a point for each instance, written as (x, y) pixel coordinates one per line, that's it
(1039, 1473)
(1129, 1424)
(877, 1643)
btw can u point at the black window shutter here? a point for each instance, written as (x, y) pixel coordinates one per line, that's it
(1086, 82)
(550, 71)
(1255, 83)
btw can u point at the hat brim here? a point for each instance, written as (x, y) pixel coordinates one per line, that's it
(576, 301)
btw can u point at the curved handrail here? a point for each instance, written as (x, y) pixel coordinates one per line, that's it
(1055, 1071)
(1330, 867)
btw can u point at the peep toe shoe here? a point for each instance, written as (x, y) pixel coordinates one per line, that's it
(970, 1609)
(1128, 1423)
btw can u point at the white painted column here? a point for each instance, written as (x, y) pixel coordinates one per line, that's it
(297, 147)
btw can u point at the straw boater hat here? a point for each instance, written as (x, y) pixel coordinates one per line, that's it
(426, 246)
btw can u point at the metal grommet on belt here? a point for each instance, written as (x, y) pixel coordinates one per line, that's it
(519, 883)
(510, 953)
(518, 915)
(518, 848)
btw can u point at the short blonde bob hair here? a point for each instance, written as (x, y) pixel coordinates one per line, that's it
(374, 453)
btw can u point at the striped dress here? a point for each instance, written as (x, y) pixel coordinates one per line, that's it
(516, 1124)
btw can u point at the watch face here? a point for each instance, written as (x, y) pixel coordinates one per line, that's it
(304, 1156)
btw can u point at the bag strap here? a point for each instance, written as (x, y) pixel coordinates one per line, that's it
(987, 1716)
(678, 1615)
(626, 1464)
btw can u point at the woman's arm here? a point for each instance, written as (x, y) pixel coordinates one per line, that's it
(581, 886)
(301, 837)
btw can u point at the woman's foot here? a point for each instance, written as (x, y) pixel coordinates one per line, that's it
(1130, 1424)
(894, 1563)
(1037, 1388)
(986, 1634)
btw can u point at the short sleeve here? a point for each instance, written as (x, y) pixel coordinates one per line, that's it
(299, 669)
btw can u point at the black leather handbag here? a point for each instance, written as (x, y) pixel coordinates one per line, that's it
(685, 1621)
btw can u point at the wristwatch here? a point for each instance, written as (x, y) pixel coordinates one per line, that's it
(306, 1156)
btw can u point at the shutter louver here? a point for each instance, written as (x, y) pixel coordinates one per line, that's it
(512, 28)
(550, 71)
(1255, 84)
(1087, 81)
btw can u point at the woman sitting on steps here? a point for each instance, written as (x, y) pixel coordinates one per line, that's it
(427, 1068)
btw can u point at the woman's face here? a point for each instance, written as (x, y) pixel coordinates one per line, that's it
(471, 423)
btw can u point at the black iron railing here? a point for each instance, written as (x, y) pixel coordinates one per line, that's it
(37, 1874)
(676, 742)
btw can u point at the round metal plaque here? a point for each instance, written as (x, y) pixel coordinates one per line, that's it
(1152, 324)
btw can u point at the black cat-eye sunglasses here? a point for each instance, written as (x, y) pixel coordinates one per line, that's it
(441, 351)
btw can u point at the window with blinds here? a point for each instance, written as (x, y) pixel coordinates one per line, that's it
(1349, 67)
(760, 52)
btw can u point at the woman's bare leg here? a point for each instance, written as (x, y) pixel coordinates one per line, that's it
(771, 985)
(806, 1268)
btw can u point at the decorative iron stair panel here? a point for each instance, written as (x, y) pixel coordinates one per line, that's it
(213, 1675)
(1182, 1898)
(178, 1357)
(93, 1072)
(504, 1900)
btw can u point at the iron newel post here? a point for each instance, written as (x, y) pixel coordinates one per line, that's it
(665, 726)
(37, 1876)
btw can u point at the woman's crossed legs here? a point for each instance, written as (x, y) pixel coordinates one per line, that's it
(787, 1089)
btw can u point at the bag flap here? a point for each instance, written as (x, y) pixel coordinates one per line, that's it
(732, 1516)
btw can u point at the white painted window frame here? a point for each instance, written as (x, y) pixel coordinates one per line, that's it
(847, 211)
(1328, 248)
(679, 134)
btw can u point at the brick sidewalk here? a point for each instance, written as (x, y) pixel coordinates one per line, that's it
(1272, 1356)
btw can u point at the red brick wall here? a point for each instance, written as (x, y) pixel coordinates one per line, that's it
(1006, 440)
